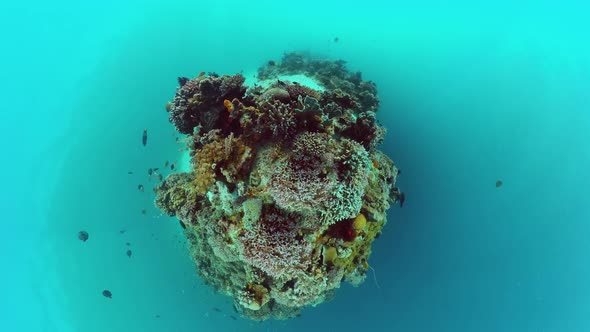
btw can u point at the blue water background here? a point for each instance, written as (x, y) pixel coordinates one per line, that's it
(470, 94)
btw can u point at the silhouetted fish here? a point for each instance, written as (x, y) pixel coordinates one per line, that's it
(402, 199)
(122, 231)
(182, 224)
(233, 317)
(159, 177)
(127, 243)
(155, 169)
(499, 183)
(143, 211)
(129, 253)
(107, 293)
(182, 81)
(83, 236)
(336, 39)
(166, 163)
(172, 166)
(144, 137)
(140, 187)
(129, 172)
(150, 171)
(216, 309)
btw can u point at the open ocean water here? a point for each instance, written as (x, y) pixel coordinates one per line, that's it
(470, 94)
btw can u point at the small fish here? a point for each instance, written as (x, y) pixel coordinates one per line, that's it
(140, 187)
(107, 293)
(144, 137)
(499, 183)
(143, 211)
(129, 253)
(159, 177)
(182, 224)
(272, 63)
(402, 199)
(83, 236)
(122, 231)
(129, 172)
(127, 243)
(182, 81)
(336, 39)
(216, 309)
(150, 171)
(233, 317)
(176, 139)
(172, 167)
(157, 316)
(155, 169)
(166, 163)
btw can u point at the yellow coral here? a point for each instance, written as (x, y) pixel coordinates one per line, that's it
(330, 254)
(359, 222)
(228, 104)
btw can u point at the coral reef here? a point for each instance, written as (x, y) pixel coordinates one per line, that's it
(287, 190)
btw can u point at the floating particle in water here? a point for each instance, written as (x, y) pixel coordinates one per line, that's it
(144, 137)
(107, 293)
(499, 183)
(129, 253)
(140, 187)
(83, 236)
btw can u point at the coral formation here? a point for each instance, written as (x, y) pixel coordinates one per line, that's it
(287, 191)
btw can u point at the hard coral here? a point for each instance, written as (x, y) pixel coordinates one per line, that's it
(200, 102)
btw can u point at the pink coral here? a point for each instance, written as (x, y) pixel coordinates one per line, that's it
(274, 246)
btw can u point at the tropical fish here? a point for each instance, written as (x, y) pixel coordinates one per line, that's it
(182, 81)
(83, 236)
(144, 137)
(107, 293)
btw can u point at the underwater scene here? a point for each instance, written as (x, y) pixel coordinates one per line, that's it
(295, 166)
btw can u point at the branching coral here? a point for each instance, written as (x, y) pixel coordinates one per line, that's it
(288, 190)
(274, 246)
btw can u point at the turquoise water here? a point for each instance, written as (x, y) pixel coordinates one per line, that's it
(470, 94)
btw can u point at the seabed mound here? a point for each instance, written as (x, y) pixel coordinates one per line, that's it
(287, 189)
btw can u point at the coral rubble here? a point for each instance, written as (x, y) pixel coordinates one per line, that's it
(287, 190)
